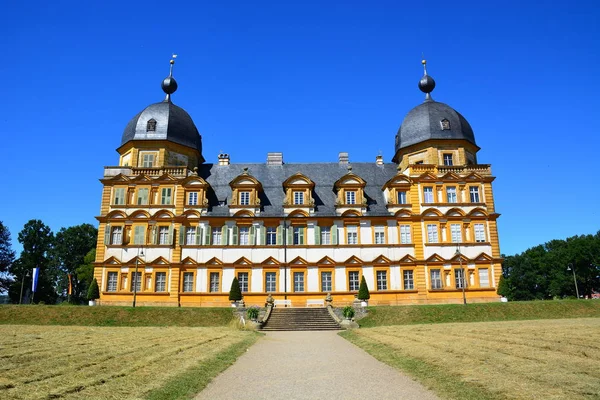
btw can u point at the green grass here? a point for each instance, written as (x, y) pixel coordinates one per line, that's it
(439, 380)
(114, 316)
(481, 312)
(194, 380)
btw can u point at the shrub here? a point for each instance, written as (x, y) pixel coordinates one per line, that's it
(235, 293)
(363, 290)
(348, 312)
(252, 313)
(93, 291)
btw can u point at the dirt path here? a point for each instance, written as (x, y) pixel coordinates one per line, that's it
(311, 365)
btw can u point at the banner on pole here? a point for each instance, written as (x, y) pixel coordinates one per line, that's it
(34, 280)
(70, 289)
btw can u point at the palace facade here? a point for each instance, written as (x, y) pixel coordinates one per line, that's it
(420, 229)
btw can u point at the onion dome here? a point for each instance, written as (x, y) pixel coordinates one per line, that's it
(432, 120)
(164, 121)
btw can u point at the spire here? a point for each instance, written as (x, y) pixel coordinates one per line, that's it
(426, 84)
(169, 84)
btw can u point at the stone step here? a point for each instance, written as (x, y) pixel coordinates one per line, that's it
(300, 319)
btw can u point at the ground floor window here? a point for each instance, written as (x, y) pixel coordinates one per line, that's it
(298, 281)
(436, 279)
(409, 282)
(112, 281)
(243, 281)
(214, 282)
(459, 278)
(353, 282)
(484, 278)
(326, 281)
(160, 284)
(188, 281)
(271, 282)
(136, 281)
(381, 280)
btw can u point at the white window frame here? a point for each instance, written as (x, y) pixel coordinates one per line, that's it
(456, 233)
(479, 232)
(271, 236)
(192, 198)
(353, 280)
(243, 280)
(298, 235)
(474, 194)
(163, 235)
(451, 195)
(401, 197)
(244, 236)
(190, 235)
(166, 197)
(379, 234)
(447, 158)
(298, 282)
(112, 281)
(214, 284)
(270, 282)
(435, 276)
(298, 197)
(350, 196)
(116, 236)
(405, 234)
(245, 198)
(160, 282)
(216, 236)
(428, 194)
(432, 233)
(136, 279)
(459, 278)
(188, 281)
(408, 280)
(148, 160)
(326, 235)
(326, 281)
(351, 234)
(381, 276)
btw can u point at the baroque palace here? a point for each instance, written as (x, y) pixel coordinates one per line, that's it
(420, 229)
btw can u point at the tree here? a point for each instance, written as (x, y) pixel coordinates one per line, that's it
(363, 290)
(93, 291)
(235, 294)
(7, 257)
(71, 245)
(85, 272)
(37, 240)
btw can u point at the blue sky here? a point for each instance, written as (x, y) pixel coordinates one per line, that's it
(309, 79)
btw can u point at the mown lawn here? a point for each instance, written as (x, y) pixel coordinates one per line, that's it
(479, 312)
(538, 359)
(76, 362)
(114, 316)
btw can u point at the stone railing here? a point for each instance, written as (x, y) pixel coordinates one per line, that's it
(151, 171)
(418, 169)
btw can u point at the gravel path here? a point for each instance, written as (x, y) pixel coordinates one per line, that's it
(311, 365)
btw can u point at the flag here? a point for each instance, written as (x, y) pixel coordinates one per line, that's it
(34, 280)
(70, 289)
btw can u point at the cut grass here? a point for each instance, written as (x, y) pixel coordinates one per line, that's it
(114, 316)
(512, 311)
(549, 359)
(113, 363)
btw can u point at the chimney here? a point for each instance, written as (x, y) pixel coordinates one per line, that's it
(343, 158)
(379, 160)
(223, 159)
(274, 158)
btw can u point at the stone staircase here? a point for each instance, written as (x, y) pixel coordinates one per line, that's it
(300, 319)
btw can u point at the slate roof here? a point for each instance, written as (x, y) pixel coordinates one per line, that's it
(424, 122)
(172, 123)
(324, 175)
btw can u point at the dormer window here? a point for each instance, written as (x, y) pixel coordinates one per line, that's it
(448, 159)
(350, 197)
(298, 193)
(151, 125)
(244, 198)
(445, 124)
(245, 194)
(298, 198)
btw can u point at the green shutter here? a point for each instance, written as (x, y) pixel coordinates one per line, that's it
(170, 238)
(280, 235)
(290, 235)
(224, 235)
(263, 235)
(252, 236)
(181, 235)
(301, 236)
(107, 234)
(334, 234)
(207, 231)
(234, 238)
(317, 234)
